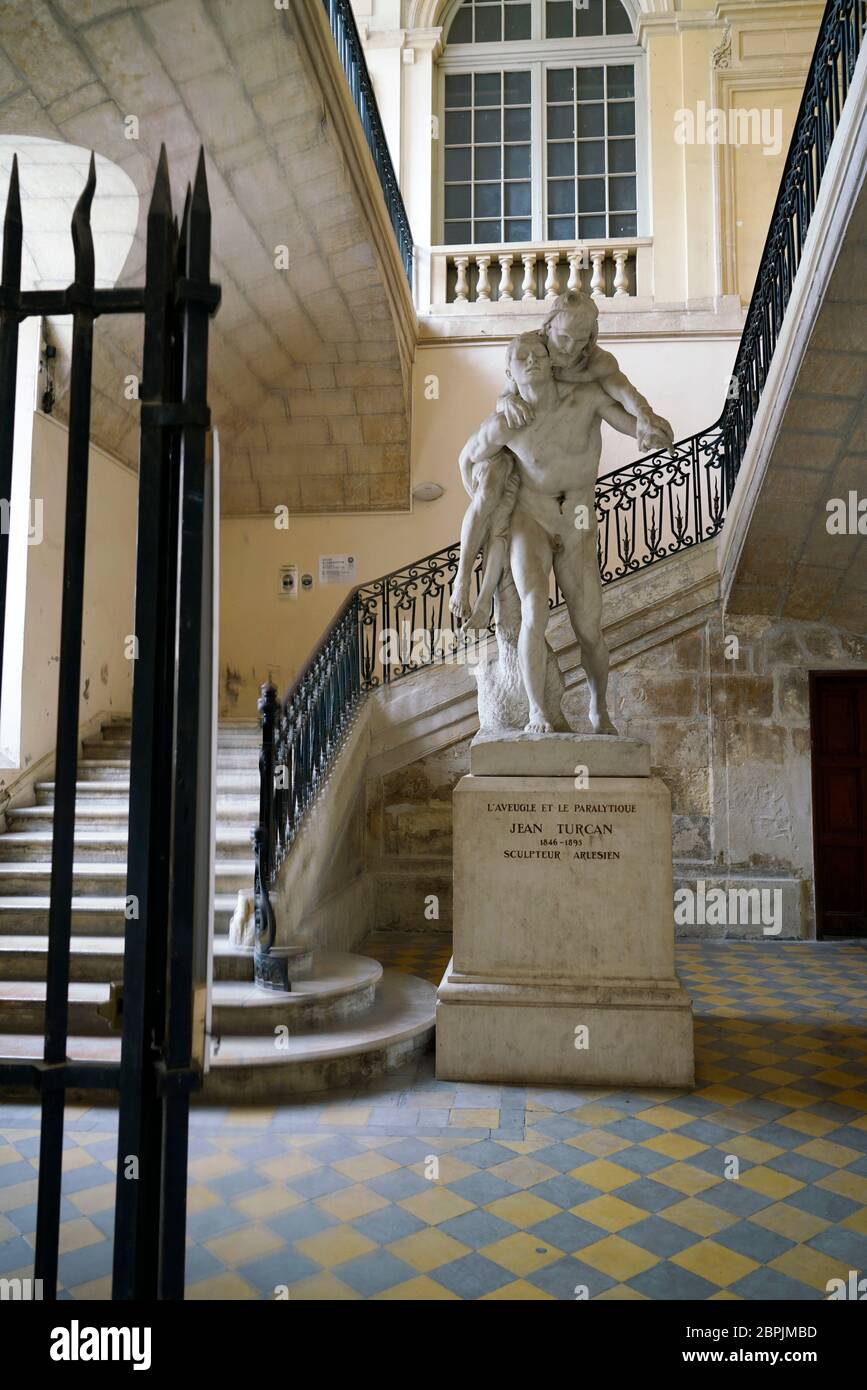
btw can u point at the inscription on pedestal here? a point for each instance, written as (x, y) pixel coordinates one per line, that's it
(554, 831)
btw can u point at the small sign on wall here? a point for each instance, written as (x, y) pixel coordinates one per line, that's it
(336, 569)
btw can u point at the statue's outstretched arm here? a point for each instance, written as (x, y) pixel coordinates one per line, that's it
(488, 439)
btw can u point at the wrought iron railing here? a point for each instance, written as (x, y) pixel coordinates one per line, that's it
(647, 510)
(348, 44)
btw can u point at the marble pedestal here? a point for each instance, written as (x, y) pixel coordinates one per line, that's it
(563, 967)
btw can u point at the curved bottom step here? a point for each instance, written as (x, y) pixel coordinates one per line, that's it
(398, 1027)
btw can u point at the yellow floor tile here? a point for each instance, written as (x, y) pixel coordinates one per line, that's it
(702, 1218)
(621, 1292)
(450, 1168)
(603, 1174)
(723, 1095)
(857, 1221)
(846, 1185)
(420, 1290)
(856, 1100)
(345, 1115)
(440, 1204)
(94, 1199)
(596, 1115)
(519, 1291)
(753, 1150)
(789, 1096)
(323, 1288)
(362, 1167)
(335, 1246)
(77, 1234)
(810, 1266)
(524, 1172)
(18, 1194)
(808, 1124)
(618, 1258)
(769, 1182)
(521, 1253)
(248, 1243)
(427, 1250)
(686, 1179)
(599, 1143)
(523, 1209)
(350, 1203)
(824, 1151)
(788, 1221)
(94, 1291)
(267, 1202)
(673, 1146)
(213, 1166)
(285, 1167)
(200, 1198)
(665, 1117)
(714, 1262)
(609, 1212)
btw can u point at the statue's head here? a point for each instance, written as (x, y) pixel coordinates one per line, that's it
(528, 363)
(571, 328)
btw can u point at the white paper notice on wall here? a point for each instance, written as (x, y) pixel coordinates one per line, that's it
(336, 569)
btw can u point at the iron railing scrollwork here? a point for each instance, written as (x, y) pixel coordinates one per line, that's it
(647, 510)
(348, 44)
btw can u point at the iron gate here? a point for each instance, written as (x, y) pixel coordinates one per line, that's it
(158, 1066)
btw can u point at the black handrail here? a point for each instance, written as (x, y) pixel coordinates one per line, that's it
(351, 54)
(649, 509)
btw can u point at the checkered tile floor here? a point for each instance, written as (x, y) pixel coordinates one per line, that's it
(753, 1186)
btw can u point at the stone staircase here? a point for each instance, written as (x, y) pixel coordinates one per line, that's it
(346, 1018)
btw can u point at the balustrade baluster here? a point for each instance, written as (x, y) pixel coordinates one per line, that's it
(529, 283)
(597, 281)
(462, 288)
(506, 276)
(483, 288)
(552, 260)
(621, 281)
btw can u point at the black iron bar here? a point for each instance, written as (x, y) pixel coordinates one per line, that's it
(10, 281)
(66, 757)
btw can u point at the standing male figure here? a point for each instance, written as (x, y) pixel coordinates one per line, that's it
(553, 521)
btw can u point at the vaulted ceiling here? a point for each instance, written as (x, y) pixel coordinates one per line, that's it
(309, 363)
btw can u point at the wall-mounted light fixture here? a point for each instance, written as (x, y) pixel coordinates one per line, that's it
(427, 492)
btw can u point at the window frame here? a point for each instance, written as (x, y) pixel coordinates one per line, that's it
(537, 54)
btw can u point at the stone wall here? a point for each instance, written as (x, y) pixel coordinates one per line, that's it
(730, 736)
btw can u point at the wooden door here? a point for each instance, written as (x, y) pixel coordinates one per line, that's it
(839, 739)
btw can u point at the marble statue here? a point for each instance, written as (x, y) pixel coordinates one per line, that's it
(530, 471)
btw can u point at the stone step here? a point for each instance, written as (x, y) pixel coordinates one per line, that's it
(109, 845)
(99, 959)
(91, 878)
(22, 1007)
(340, 987)
(240, 750)
(395, 1031)
(27, 915)
(95, 812)
(116, 790)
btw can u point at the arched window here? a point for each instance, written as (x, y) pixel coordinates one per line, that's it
(539, 139)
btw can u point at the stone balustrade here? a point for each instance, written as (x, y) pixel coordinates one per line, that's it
(501, 276)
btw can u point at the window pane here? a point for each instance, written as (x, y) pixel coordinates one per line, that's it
(517, 198)
(457, 234)
(519, 231)
(591, 120)
(561, 195)
(458, 200)
(461, 30)
(457, 165)
(621, 156)
(487, 199)
(487, 231)
(623, 224)
(617, 21)
(561, 159)
(517, 22)
(558, 20)
(488, 88)
(487, 127)
(589, 84)
(516, 88)
(591, 195)
(621, 81)
(488, 162)
(458, 90)
(591, 157)
(561, 122)
(560, 84)
(517, 123)
(457, 127)
(489, 23)
(621, 118)
(621, 194)
(592, 227)
(588, 22)
(517, 161)
(561, 228)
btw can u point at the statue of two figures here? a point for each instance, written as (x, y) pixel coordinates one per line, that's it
(530, 470)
